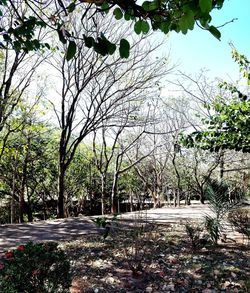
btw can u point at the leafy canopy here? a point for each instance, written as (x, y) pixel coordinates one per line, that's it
(162, 15)
(229, 127)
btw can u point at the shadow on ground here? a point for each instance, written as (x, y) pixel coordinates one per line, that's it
(51, 230)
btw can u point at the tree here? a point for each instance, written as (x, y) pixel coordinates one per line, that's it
(33, 16)
(96, 89)
(228, 128)
(28, 163)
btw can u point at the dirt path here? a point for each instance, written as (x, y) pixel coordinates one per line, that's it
(66, 229)
(51, 230)
(171, 215)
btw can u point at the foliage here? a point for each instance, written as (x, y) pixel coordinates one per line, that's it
(35, 268)
(165, 16)
(219, 204)
(240, 220)
(103, 222)
(194, 234)
(228, 128)
(135, 251)
(29, 149)
(214, 227)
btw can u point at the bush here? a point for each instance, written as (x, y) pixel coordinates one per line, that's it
(35, 268)
(194, 231)
(220, 206)
(240, 220)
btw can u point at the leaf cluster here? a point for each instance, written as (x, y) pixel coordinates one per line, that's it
(164, 16)
(41, 267)
(228, 128)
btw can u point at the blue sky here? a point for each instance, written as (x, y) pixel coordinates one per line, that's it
(199, 49)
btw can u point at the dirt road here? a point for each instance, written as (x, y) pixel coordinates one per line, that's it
(66, 229)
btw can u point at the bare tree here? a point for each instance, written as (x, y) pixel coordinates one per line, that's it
(94, 90)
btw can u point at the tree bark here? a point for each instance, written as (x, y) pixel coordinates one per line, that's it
(114, 194)
(103, 194)
(60, 200)
(12, 206)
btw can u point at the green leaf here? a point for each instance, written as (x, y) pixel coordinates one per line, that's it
(145, 27)
(124, 48)
(105, 7)
(215, 32)
(111, 48)
(89, 41)
(205, 5)
(149, 6)
(164, 27)
(187, 21)
(118, 13)
(137, 27)
(71, 7)
(141, 26)
(71, 51)
(127, 16)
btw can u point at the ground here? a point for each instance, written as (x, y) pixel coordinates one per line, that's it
(144, 252)
(160, 259)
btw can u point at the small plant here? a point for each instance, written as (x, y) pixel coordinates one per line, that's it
(220, 206)
(135, 251)
(103, 222)
(36, 268)
(240, 220)
(214, 227)
(107, 223)
(194, 234)
(136, 239)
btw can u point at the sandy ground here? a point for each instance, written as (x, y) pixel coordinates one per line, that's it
(66, 229)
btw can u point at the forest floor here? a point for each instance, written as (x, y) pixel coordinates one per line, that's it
(146, 251)
(156, 258)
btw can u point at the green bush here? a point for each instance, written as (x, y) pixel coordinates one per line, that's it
(35, 268)
(194, 231)
(240, 220)
(220, 205)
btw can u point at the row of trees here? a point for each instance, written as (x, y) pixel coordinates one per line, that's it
(127, 165)
(110, 134)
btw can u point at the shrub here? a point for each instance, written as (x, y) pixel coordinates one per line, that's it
(240, 220)
(103, 222)
(194, 231)
(35, 268)
(220, 206)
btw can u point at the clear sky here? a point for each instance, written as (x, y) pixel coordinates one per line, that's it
(199, 49)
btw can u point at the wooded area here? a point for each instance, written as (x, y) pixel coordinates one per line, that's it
(96, 120)
(93, 133)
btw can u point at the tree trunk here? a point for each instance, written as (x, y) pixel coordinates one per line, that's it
(187, 198)
(103, 194)
(178, 197)
(202, 198)
(12, 205)
(29, 212)
(118, 205)
(131, 201)
(221, 166)
(175, 197)
(23, 184)
(114, 194)
(60, 200)
(44, 207)
(154, 196)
